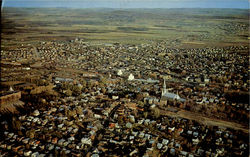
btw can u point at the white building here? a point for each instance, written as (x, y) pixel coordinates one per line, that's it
(165, 95)
(119, 73)
(131, 77)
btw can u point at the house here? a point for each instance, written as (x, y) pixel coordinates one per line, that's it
(159, 145)
(171, 129)
(165, 141)
(119, 73)
(200, 152)
(86, 141)
(59, 79)
(195, 134)
(129, 125)
(27, 153)
(131, 77)
(141, 135)
(195, 141)
(183, 153)
(172, 151)
(133, 152)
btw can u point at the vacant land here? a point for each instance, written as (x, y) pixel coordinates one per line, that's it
(176, 27)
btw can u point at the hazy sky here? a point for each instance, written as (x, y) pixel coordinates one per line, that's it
(129, 3)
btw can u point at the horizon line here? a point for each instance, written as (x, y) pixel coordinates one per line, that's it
(123, 7)
(219, 4)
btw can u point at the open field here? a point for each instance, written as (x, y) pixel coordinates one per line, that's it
(176, 27)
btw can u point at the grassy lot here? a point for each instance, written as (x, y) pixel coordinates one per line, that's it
(178, 27)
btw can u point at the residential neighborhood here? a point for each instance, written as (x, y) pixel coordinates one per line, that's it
(124, 100)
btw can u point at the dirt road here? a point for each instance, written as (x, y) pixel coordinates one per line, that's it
(205, 120)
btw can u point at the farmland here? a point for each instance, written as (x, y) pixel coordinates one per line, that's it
(176, 27)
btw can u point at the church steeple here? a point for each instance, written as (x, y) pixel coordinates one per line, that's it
(164, 90)
(11, 89)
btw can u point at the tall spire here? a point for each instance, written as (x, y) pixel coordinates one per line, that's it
(164, 90)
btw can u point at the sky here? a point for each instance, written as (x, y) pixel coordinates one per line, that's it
(243, 4)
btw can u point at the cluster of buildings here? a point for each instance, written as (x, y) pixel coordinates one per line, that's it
(81, 127)
(114, 107)
(73, 127)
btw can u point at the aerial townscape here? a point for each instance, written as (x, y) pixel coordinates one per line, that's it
(129, 82)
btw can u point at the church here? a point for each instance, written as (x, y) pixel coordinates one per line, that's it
(165, 95)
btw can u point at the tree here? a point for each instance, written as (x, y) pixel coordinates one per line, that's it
(104, 80)
(71, 113)
(64, 85)
(153, 75)
(20, 133)
(99, 137)
(167, 121)
(16, 124)
(68, 92)
(140, 103)
(56, 153)
(76, 90)
(63, 153)
(30, 133)
(155, 112)
(79, 110)
(103, 90)
(27, 146)
(83, 83)
(139, 96)
(91, 84)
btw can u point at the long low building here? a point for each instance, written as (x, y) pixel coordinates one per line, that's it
(10, 96)
(9, 101)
